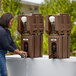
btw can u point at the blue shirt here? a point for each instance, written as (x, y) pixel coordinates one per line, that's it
(6, 41)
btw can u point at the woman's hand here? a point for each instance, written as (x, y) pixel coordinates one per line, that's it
(17, 51)
(21, 53)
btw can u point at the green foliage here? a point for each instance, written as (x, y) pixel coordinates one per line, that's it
(15, 35)
(45, 43)
(13, 7)
(73, 38)
(59, 6)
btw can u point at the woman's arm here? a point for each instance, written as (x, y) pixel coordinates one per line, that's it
(12, 42)
(4, 43)
(21, 53)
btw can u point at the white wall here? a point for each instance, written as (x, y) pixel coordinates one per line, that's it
(29, 9)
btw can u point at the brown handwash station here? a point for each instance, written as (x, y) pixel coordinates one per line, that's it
(58, 27)
(31, 28)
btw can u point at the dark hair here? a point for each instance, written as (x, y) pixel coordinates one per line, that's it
(5, 19)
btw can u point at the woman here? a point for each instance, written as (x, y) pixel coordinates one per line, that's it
(6, 41)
